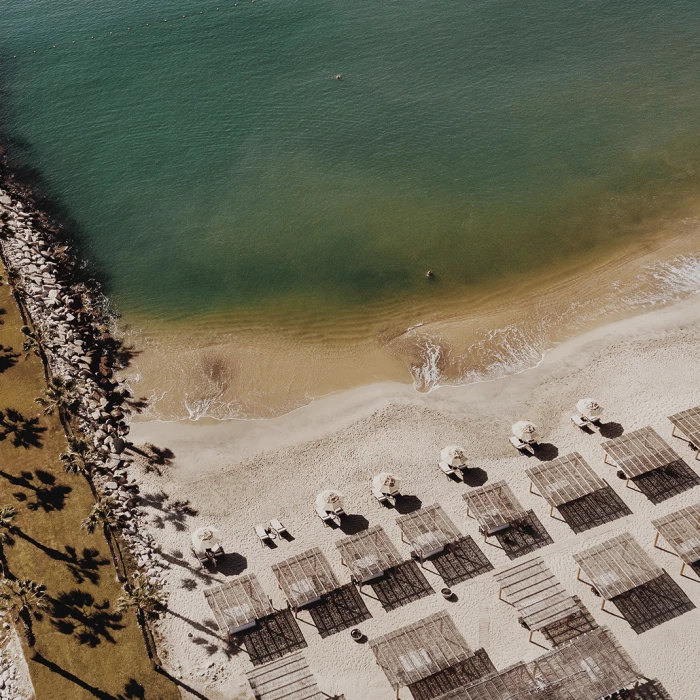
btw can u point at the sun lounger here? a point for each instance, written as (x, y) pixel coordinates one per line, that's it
(329, 517)
(384, 497)
(263, 534)
(579, 421)
(277, 527)
(447, 469)
(520, 445)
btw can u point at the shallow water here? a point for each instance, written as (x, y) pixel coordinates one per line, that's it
(220, 177)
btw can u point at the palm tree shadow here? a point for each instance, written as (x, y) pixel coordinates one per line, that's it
(94, 691)
(46, 496)
(8, 358)
(25, 432)
(77, 613)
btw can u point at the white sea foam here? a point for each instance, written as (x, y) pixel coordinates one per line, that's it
(427, 374)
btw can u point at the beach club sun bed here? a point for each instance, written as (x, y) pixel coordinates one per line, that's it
(428, 530)
(386, 487)
(681, 529)
(368, 554)
(687, 423)
(306, 578)
(330, 506)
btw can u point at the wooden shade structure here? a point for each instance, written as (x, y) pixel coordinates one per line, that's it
(639, 452)
(494, 506)
(617, 565)
(688, 424)
(305, 578)
(237, 604)
(536, 594)
(565, 479)
(681, 529)
(368, 554)
(428, 530)
(419, 650)
(288, 678)
(591, 666)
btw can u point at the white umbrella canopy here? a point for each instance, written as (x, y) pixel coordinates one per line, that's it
(205, 538)
(453, 456)
(386, 483)
(525, 431)
(589, 408)
(330, 501)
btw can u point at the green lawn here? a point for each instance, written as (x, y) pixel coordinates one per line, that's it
(83, 649)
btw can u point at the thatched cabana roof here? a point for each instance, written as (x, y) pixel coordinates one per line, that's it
(565, 479)
(428, 530)
(592, 665)
(688, 423)
(288, 678)
(617, 565)
(639, 452)
(235, 604)
(536, 594)
(681, 529)
(494, 506)
(305, 577)
(368, 554)
(417, 651)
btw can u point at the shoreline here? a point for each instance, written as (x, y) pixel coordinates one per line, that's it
(237, 473)
(221, 374)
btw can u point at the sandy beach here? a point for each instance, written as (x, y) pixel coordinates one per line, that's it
(239, 473)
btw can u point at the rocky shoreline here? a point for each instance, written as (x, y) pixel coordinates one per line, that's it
(69, 322)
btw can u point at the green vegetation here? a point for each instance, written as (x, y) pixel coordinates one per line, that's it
(60, 579)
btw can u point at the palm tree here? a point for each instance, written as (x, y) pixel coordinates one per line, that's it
(58, 396)
(7, 516)
(26, 597)
(148, 599)
(79, 458)
(103, 515)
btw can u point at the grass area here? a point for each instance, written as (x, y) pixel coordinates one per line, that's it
(83, 649)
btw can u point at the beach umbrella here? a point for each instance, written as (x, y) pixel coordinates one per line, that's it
(386, 483)
(453, 456)
(589, 408)
(205, 538)
(330, 501)
(525, 431)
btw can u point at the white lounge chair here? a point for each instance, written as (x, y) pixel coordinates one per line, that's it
(278, 528)
(446, 469)
(520, 445)
(384, 497)
(263, 534)
(328, 517)
(579, 421)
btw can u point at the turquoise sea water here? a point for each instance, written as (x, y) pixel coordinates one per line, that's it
(212, 163)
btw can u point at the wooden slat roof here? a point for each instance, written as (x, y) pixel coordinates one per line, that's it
(617, 565)
(536, 593)
(305, 577)
(417, 651)
(688, 422)
(640, 451)
(369, 553)
(288, 678)
(591, 666)
(428, 529)
(494, 505)
(681, 529)
(238, 602)
(565, 479)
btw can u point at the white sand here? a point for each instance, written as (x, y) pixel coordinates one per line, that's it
(238, 473)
